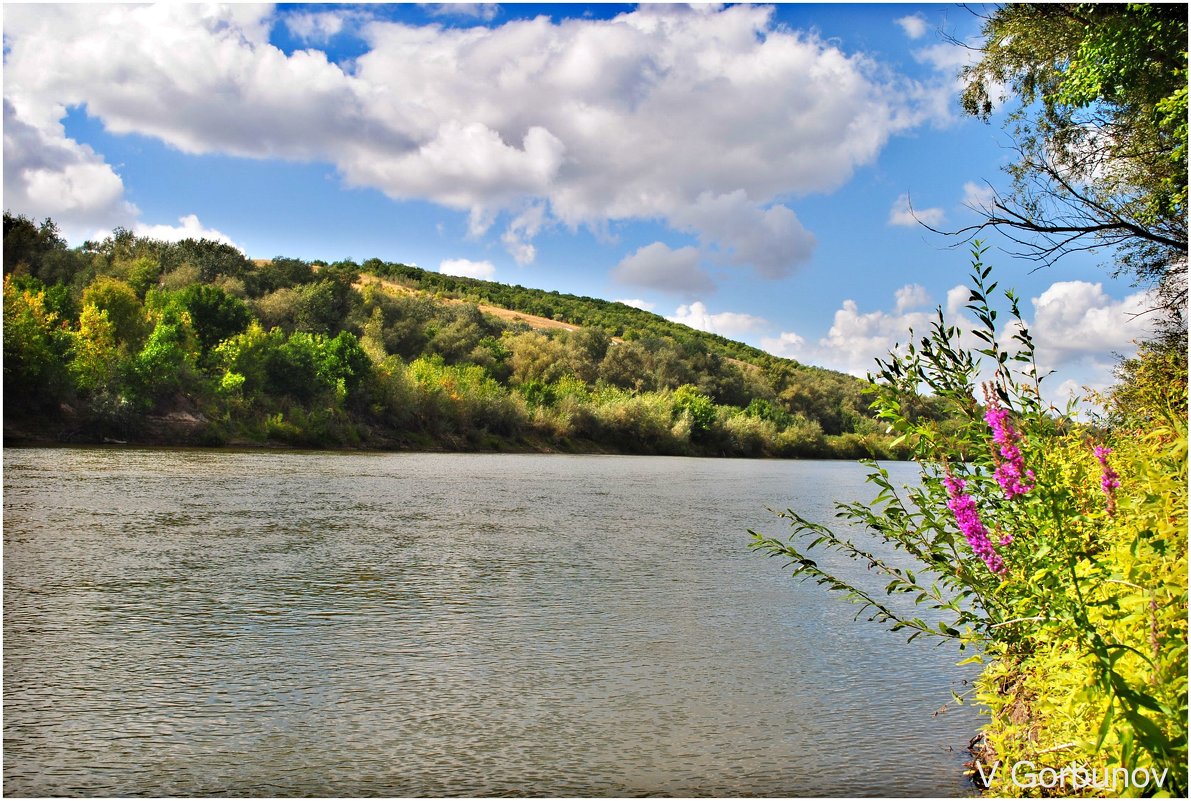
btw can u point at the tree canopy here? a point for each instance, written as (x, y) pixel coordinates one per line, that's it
(118, 338)
(1098, 111)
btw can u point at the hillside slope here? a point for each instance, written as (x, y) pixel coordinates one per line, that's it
(138, 340)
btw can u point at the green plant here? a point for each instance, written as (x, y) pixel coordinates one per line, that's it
(1056, 551)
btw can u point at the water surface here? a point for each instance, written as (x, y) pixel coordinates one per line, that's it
(224, 623)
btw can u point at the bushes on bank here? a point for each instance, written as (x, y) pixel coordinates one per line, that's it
(116, 338)
(1054, 549)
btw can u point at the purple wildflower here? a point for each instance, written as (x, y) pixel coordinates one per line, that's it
(1109, 479)
(1011, 472)
(968, 519)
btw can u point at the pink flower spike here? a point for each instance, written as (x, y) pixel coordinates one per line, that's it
(1011, 472)
(1109, 478)
(967, 518)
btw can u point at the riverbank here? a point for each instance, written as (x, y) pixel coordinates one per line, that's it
(183, 430)
(185, 425)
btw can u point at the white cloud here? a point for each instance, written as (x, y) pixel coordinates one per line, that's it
(660, 113)
(858, 338)
(978, 196)
(315, 28)
(518, 237)
(771, 240)
(48, 175)
(637, 303)
(786, 344)
(466, 268)
(730, 324)
(1076, 328)
(903, 213)
(914, 25)
(190, 228)
(656, 266)
(1077, 324)
(949, 58)
(481, 11)
(911, 296)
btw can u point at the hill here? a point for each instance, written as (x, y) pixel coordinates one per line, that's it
(138, 340)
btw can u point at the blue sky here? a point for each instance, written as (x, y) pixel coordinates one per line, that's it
(743, 169)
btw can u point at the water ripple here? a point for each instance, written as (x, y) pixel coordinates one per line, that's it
(269, 624)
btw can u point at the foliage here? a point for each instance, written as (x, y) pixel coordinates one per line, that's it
(96, 359)
(167, 361)
(125, 311)
(1057, 550)
(688, 400)
(1101, 133)
(214, 314)
(27, 245)
(132, 330)
(33, 366)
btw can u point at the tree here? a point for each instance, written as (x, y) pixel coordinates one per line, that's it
(689, 400)
(167, 362)
(95, 356)
(277, 274)
(27, 244)
(124, 308)
(215, 314)
(1100, 130)
(33, 372)
(212, 258)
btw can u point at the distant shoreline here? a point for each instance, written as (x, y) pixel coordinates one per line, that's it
(19, 435)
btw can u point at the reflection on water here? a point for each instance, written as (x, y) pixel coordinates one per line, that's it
(217, 623)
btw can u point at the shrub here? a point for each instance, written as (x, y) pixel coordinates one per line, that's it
(1055, 550)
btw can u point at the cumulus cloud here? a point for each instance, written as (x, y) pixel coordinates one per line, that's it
(911, 296)
(48, 175)
(315, 28)
(663, 113)
(518, 237)
(466, 268)
(772, 240)
(903, 213)
(481, 11)
(914, 25)
(1076, 322)
(189, 228)
(787, 344)
(656, 266)
(856, 338)
(637, 303)
(730, 324)
(978, 197)
(1076, 326)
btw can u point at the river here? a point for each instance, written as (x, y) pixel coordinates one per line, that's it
(273, 623)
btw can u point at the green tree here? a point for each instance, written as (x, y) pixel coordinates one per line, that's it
(1100, 128)
(244, 360)
(95, 356)
(167, 362)
(700, 408)
(26, 244)
(536, 357)
(277, 274)
(141, 273)
(214, 314)
(212, 258)
(123, 307)
(33, 373)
